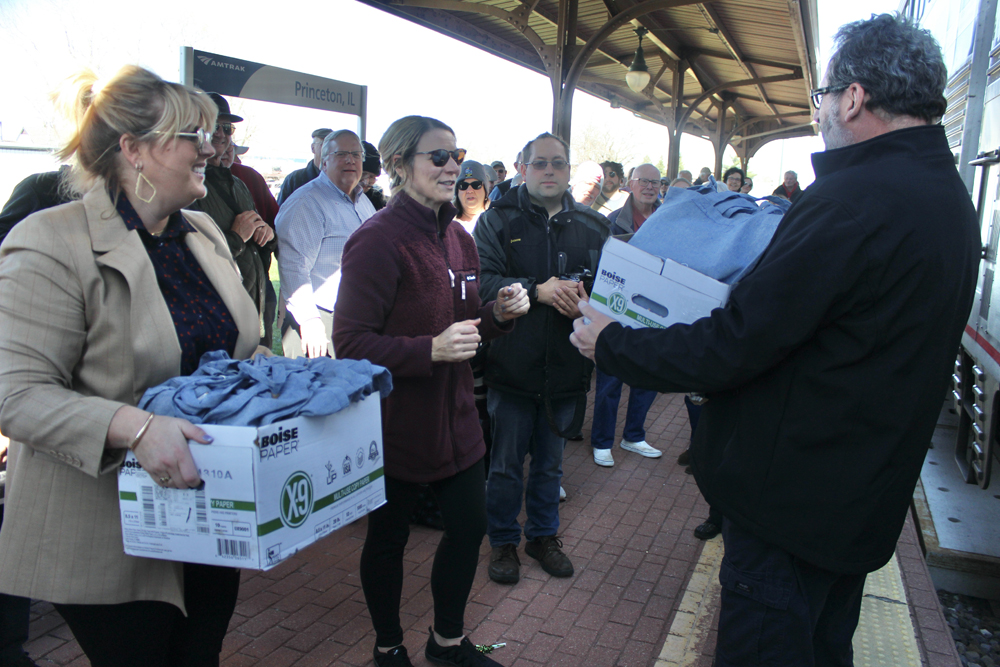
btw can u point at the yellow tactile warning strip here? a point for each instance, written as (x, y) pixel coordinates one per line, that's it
(885, 631)
(884, 636)
(694, 616)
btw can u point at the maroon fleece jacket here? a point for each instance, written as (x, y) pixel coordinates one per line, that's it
(396, 293)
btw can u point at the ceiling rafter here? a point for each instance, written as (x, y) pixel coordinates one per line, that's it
(711, 15)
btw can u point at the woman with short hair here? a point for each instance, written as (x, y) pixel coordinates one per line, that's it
(101, 299)
(409, 301)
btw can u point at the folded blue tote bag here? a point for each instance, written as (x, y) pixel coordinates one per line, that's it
(719, 234)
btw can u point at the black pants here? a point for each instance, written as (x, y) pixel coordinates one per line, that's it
(779, 610)
(462, 499)
(14, 613)
(694, 413)
(154, 634)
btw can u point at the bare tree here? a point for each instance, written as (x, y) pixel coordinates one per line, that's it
(597, 144)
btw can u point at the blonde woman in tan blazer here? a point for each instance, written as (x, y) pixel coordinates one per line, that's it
(93, 314)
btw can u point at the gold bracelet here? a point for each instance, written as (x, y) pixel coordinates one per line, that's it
(142, 431)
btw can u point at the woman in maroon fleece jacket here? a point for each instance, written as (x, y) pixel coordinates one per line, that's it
(409, 301)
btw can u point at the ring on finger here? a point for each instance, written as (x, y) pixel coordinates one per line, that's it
(165, 480)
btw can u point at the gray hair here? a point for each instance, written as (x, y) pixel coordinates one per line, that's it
(332, 139)
(680, 180)
(792, 173)
(898, 64)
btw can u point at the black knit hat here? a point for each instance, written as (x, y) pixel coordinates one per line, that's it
(372, 159)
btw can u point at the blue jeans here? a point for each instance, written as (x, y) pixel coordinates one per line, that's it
(521, 427)
(606, 399)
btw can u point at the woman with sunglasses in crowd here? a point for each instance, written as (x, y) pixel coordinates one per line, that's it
(470, 194)
(409, 301)
(100, 299)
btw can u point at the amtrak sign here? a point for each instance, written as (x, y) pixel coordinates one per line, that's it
(233, 77)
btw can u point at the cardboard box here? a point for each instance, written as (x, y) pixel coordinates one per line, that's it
(642, 290)
(269, 491)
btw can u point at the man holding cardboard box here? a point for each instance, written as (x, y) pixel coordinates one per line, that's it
(538, 236)
(825, 371)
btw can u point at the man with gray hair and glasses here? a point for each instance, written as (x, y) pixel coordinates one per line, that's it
(313, 226)
(825, 371)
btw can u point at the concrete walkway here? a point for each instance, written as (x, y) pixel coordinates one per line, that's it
(627, 529)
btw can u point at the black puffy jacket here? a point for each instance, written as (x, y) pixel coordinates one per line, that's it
(518, 242)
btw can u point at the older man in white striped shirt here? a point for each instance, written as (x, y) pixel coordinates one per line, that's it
(313, 225)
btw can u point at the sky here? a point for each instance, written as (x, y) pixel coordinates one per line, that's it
(493, 105)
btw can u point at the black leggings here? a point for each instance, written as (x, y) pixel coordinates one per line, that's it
(462, 499)
(148, 633)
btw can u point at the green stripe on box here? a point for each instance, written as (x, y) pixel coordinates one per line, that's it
(320, 503)
(269, 527)
(128, 495)
(631, 314)
(347, 490)
(238, 505)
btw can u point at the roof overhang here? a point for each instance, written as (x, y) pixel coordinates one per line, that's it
(725, 70)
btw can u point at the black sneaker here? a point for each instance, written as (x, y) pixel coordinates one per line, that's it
(547, 550)
(707, 530)
(504, 564)
(394, 657)
(464, 655)
(685, 458)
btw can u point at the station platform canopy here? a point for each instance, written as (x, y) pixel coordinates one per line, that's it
(735, 72)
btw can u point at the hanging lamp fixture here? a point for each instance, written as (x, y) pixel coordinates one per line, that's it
(637, 76)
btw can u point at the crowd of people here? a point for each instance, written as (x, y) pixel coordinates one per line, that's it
(153, 248)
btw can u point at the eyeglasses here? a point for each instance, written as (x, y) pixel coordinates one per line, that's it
(439, 157)
(465, 185)
(201, 138)
(817, 94)
(734, 179)
(558, 165)
(646, 182)
(227, 128)
(357, 155)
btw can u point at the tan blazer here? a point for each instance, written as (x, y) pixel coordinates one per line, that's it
(83, 331)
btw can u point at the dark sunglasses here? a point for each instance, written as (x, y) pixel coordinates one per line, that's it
(465, 185)
(227, 128)
(439, 157)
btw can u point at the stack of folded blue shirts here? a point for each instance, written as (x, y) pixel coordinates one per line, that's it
(263, 390)
(719, 234)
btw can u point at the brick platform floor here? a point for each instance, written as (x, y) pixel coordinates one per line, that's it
(627, 529)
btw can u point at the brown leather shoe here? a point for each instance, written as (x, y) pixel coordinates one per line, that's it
(505, 566)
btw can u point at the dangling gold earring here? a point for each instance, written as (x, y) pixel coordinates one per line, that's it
(139, 181)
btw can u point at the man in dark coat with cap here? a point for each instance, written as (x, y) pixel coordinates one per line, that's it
(231, 206)
(300, 177)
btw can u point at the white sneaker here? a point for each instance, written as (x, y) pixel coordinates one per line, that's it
(562, 495)
(602, 457)
(641, 448)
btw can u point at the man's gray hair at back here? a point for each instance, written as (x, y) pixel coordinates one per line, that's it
(899, 65)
